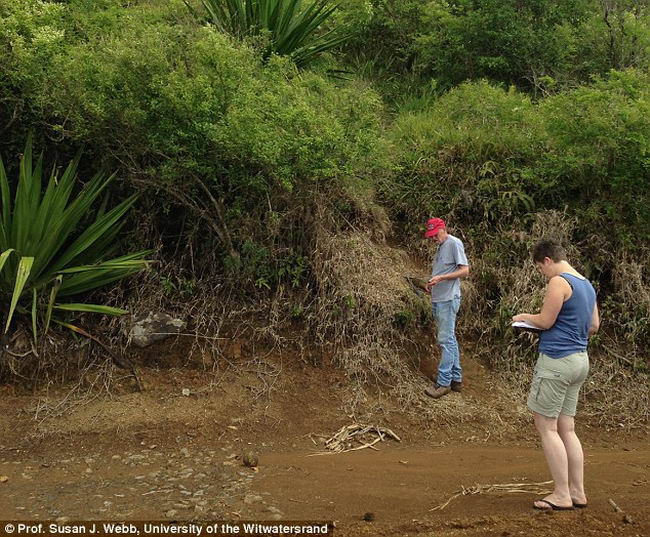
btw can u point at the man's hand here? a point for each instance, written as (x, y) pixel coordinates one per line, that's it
(433, 281)
(519, 318)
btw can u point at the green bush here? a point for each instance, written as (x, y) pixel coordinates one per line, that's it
(483, 155)
(598, 157)
(419, 47)
(199, 120)
(469, 156)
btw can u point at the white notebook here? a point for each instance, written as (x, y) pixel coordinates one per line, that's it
(525, 325)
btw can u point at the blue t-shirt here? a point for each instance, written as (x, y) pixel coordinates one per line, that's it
(570, 332)
(450, 254)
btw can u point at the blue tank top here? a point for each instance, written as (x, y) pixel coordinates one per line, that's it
(570, 332)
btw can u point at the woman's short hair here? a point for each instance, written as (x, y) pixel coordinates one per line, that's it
(548, 248)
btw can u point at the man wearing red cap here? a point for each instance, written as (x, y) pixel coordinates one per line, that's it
(449, 266)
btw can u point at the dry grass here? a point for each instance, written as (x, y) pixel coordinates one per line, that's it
(361, 287)
(618, 361)
(361, 290)
(615, 396)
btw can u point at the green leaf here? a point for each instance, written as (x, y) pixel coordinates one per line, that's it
(24, 268)
(50, 304)
(5, 198)
(34, 303)
(4, 256)
(90, 308)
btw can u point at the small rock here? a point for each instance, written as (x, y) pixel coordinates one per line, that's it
(171, 513)
(153, 327)
(250, 459)
(628, 519)
(368, 517)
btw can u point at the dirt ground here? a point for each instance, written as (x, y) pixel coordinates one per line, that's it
(174, 452)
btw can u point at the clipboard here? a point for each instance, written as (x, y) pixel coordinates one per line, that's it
(526, 327)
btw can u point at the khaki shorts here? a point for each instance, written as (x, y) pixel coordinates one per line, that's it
(556, 384)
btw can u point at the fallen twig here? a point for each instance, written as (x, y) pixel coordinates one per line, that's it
(616, 507)
(513, 488)
(343, 441)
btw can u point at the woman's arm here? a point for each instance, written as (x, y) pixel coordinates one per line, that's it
(556, 292)
(595, 321)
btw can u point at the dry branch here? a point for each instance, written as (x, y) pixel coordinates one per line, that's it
(343, 441)
(511, 488)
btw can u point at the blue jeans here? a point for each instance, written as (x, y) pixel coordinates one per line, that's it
(445, 315)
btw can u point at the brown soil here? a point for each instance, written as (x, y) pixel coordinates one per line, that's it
(163, 455)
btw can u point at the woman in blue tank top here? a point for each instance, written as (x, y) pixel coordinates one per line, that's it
(568, 317)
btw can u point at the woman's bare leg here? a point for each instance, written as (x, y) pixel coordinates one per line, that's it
(575, 457)
(557, 460)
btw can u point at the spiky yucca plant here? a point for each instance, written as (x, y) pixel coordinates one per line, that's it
(51, 249)
(292, 27)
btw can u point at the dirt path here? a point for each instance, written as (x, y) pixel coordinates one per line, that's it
(399, 485)
(163, 456)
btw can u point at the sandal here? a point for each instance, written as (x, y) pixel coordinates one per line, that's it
(552, 506)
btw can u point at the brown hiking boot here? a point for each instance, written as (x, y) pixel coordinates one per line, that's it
(437, 391)
(457, 386)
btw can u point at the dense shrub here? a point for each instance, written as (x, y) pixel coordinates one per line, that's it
(185, 111)
(423, 46)
(597, 162)
(467, 156)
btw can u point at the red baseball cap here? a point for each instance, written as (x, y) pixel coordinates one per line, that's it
(433, 226)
